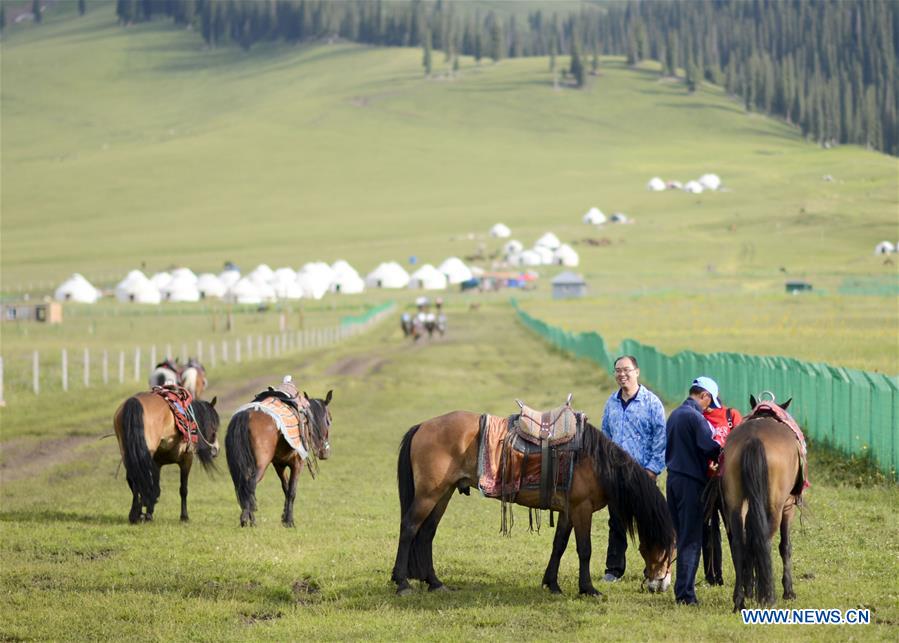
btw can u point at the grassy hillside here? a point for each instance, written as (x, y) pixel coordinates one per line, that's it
(128, 145)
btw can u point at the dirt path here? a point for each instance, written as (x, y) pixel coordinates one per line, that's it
(24, 458)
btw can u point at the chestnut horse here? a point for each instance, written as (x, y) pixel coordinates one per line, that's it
(193, 377)
(440, 455)
(148, 439)
(762, 480)
(254, 441)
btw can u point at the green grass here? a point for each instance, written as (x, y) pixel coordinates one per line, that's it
(74, 569)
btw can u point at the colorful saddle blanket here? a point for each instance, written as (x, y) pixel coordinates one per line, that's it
(291, 421)
(773, 410)
(179, 400)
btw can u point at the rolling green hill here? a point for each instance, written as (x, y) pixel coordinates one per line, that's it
(120, 147)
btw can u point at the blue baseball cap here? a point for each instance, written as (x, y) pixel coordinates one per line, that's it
(711, 386)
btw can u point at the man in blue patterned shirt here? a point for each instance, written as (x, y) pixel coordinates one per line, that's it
(634, 418)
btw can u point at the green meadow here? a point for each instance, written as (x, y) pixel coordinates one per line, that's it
(130, 147)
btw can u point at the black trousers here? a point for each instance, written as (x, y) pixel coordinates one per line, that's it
(616, 559)
(711, 550)
(685, 505)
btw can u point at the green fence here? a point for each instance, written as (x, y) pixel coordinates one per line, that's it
(855, 411)
(367, 316)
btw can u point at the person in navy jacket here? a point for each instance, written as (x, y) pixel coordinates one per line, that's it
(689, 447)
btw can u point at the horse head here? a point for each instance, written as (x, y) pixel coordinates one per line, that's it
(208, 423)
(657, 574)
(320, 420)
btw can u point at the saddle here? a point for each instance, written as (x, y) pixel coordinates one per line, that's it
(525, 451)
(179, 400)
(773, 410)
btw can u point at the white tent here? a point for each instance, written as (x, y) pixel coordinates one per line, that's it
(529, 258)
(184, 274)
(283, 274)
(455, 270)
(655, 184)
(546, 255)
(500, 231)
(348, 283)
(884, 248)
(428, 278)
(693, 187)
(129, 285)
(548, 240)
(387, 275)
(710, 181)
(77, 288)
(262, 274)
(312, 283)
(210, 286)
(594, 216)
(229, 277)
(513, 247)
(180, 288)
(244, 291)
(146, 293)
(565, 255)
(160, 279)
(321, 272)
(341, 268)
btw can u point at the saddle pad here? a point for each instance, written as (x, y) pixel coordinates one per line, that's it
(768, 408)
(523, 462)
(179, 400)
(285, 418)
(558, 426)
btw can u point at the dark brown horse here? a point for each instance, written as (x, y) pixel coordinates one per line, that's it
(148, 439)
(254, 441)
(439, 456)
(762, 480)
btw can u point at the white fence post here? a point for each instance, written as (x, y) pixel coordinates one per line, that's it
(212, 354)
(121, 367)
(65, 370)
(153, 361)
(225, 351)
(36, 372)
(268, 345)
(249, 347)
(105, 366)
(199, 350)
(259, 346)
(87, 368)
(237, 351)
(168, 352)
(137, 364)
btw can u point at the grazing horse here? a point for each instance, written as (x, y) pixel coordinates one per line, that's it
(254, 441)
(440, 455)
(193, 377)
(165, 373)
(145, 427)
(762, 481)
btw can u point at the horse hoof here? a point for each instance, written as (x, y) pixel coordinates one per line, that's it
(788, 596)
(553, 589)
(590, 592)
(185, 519)
(288, 523)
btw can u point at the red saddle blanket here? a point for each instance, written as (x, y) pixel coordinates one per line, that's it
(179, 399)
(773, 410)
(507, 463)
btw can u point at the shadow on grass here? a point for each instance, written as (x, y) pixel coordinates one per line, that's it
(63, 516)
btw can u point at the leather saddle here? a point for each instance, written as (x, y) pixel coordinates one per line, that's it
(558, 426)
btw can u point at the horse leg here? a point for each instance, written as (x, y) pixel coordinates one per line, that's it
(408, 549)
(134, 516)
(425, 542)
(185, 471)
(152, 505)
(560, 543)
(786, 551)
(290, 493)
(736, 553)
(280, 470)
(582, 518)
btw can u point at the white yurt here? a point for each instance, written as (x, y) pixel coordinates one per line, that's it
(312, 283)
(342, 268)
(126, 288)
(565, 255)
(710, 181)
(594, 216)
(693, 187)
(283, 274)
(675, 185)
(387, 275)
(285, 285)
(500, 231)
(884, 248)
(211, 286)
(180, 288)
(321, 272)
(261, 274)
(548, 240)
(513, 247)
(455, 270)
(244, 291)
(546, 255)
(529, 258)
(160, 279)
(428, 278)
(77, 288)
(229, 277)
(184, 274)
(655, 184)
(348, 283)
(147, 293)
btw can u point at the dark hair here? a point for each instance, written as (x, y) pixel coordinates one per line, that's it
(696, 390)
(630, 357)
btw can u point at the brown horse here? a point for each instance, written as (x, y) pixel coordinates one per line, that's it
(193, 377)
(440, 456)
(762, 481)
(254, 441)
(148, 439)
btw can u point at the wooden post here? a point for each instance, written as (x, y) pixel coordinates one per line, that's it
(268, 345)
(65, 370)
(36, 373)
(259, 346)
(121, 367)
(212, 354)
(282, 322)
(137, 364)
(105, 366)
(200, 350)
(87, 368)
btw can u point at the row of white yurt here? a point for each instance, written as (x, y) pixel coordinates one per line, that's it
(389, 274)
(500, 231)
(455, 270)
(77, 288)
(428, 278)
(707, 181)
(594, 216)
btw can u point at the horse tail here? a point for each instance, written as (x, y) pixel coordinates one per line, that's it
(241, 460)
(758, 579)
(404, 479)
(142, 471)
(417, 564)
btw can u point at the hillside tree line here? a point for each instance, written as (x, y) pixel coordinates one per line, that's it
(826, 66)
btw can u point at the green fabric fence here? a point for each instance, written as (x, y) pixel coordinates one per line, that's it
(367, 316)
(857, 412)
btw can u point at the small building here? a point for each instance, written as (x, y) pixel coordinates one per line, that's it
(794, 287)
(49, 312)
(568, 285)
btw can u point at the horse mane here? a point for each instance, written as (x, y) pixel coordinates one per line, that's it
(208, 423)
(631, 494)
(318, 415)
